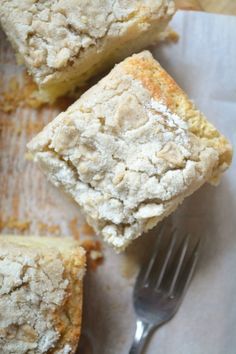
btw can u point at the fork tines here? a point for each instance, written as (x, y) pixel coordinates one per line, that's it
(172, 263)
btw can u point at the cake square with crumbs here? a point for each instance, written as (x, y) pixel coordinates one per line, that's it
(64, 43)
(40, 294)
(130, 150)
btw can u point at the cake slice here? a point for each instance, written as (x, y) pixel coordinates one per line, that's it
(40, 294)
(130, 150)
(63, 43)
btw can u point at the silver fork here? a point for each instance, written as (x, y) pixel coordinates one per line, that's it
(161, 284)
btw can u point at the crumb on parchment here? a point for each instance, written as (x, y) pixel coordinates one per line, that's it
(49, 229)
(14, 223)
(16, 94)
(94, 253)
(93, 247)
(21, 91)
(73, 226)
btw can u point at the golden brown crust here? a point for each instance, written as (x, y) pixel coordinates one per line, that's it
(69, 318)
(130, 150)
(163, 88)
(50, 270)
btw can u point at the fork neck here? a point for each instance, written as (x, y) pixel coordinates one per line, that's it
(142, 332)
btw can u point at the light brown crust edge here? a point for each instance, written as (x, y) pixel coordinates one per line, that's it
(163, 88)
(69, 318)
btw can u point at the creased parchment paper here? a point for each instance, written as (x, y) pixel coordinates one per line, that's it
(203, 62)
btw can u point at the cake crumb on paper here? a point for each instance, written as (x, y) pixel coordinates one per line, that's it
(17, 94)
(49, 229)
(94, 253)
(73, 226)
(87, 230)
(15, 224)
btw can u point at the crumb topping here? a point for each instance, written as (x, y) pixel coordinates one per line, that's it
(51, 35)
(125, 157)
(30, 295)
(35, 287)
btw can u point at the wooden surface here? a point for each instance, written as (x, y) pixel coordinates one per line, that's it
(218, 6)
(27, 200)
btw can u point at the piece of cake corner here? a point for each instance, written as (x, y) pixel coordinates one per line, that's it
(130, 150)
(40, 294)
(64, 43)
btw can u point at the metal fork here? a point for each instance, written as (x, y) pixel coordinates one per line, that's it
(161, 284)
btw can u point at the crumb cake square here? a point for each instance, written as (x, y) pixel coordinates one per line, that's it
(40, 294)
(130, 150)
(63, 43)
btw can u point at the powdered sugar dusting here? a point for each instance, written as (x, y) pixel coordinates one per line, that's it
(171, 120)
(160, 107)
(66, 350)
(133, 167)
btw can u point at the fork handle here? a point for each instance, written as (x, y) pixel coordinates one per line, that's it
(142, 332)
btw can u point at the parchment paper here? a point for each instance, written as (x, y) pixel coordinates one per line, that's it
(203, 62)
